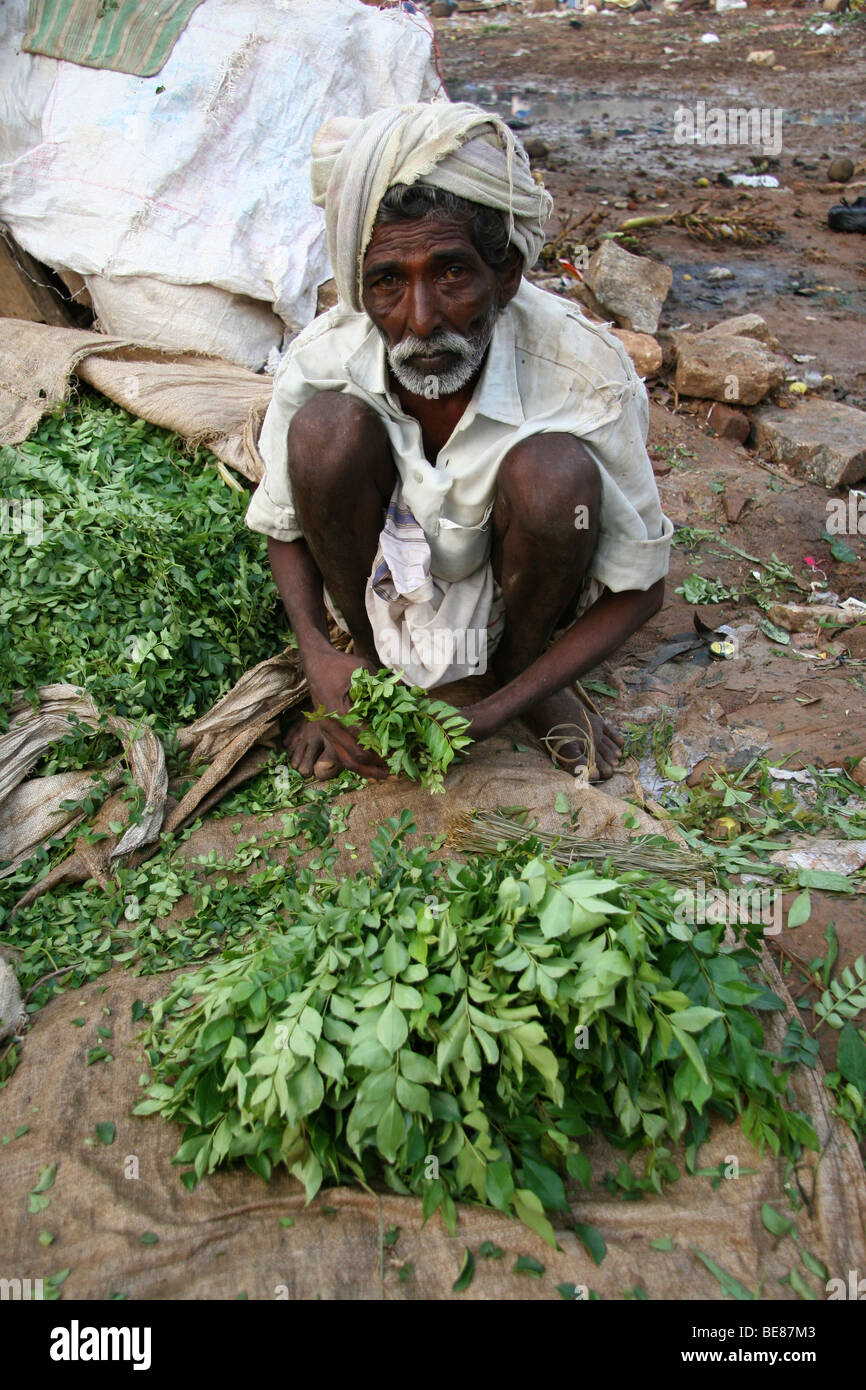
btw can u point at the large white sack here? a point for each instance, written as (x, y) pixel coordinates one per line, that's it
(207, 180)
(186, 318)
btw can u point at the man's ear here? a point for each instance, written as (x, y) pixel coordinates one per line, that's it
(510, 274)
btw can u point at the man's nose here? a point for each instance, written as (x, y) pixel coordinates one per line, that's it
(423, 317)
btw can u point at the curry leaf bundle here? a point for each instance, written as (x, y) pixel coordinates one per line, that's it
(459, 1027)
(410, 732)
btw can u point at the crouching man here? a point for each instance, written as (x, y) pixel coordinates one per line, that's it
(455, 460)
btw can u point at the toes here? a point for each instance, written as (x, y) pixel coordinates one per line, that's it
(609, 751)
(307, 751)
(603, 769)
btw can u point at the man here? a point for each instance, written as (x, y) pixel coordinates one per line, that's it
(455, 460)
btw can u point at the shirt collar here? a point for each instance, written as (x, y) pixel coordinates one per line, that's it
(497, 395)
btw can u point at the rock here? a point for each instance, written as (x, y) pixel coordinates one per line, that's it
(542, 6)
(832, 6)
(644, 351)
(807, 617)
(855, 641)
(720, 272)
(326, 296)
(727, 423)
(726, 367)
(536, 148)
(763, 57)
(841, 169)
(736, 501)
(823, 441)
(858, 773)
(744, 326)
(631, 288)
(441, 9)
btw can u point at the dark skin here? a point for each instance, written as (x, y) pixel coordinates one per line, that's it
(420, 277)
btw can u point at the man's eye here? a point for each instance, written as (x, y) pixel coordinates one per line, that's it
(453, 272)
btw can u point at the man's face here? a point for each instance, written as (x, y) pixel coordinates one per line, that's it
(434, 301)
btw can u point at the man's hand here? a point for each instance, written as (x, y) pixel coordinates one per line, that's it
(329, 675)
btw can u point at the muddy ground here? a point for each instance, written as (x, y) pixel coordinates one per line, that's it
(602, 97)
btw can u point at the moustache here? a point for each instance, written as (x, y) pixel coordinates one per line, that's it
(412, 347)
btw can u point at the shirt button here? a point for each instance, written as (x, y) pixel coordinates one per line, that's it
(418, 476)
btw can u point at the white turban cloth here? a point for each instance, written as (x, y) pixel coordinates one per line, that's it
(450, 145)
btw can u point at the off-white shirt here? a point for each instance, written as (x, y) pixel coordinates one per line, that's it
(548, 369)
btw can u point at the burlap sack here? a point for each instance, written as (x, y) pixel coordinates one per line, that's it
(225, 1238)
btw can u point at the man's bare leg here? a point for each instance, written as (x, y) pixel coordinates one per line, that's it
(342, 475)
(545, 525)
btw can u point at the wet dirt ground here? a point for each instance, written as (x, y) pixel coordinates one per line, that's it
(603, 98)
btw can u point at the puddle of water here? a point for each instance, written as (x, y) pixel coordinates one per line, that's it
(606, 130)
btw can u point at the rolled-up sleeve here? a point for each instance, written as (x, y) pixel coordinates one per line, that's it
(634, 543)
(271, 510)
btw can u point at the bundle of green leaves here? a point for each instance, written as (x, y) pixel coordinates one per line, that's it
(460, 1027)
(410, 732)
(145, 586)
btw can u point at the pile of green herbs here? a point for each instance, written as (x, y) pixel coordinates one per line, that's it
(760, 814)
(413, 734)
(460, 1027)
(146, 588)
(177, 909)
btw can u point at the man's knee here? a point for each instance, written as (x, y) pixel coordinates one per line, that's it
(549, 485)
(328, 436)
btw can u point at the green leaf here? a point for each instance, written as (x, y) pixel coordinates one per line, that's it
(531, 1213)
(148, 1238)
(219, 1030)
(851, 1057)
(800, 910)
(775, 1223)
(500, 1184)
(663, 1243)
(392, 1029)
(46, 1178)
(390, 1131)
(694, 1019)
(727, 1282)
(592, 1240)
(488, 1251)
(798, 1284)
(815, 1266)
(525, 1264)
(467, 1272)
(106, 1131)
(826, 881)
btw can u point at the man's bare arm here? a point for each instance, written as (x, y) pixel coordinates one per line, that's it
(328, 671)
(595, 636)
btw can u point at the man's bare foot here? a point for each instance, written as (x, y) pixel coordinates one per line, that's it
(565, 709)
(308, 753)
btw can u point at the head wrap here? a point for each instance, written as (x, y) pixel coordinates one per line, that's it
(450, 145)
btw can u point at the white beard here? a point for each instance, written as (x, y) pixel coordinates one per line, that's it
(470, 353)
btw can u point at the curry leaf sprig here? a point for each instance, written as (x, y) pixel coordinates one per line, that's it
(459, 1028)
(410, 732)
